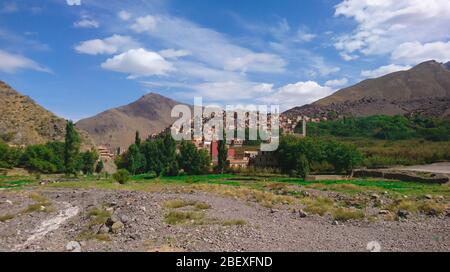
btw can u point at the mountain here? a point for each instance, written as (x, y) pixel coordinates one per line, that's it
(423, 89)
(24, 122)
(116, 128)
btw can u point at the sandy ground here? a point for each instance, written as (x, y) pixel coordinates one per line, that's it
(144, 227)
(438, 168)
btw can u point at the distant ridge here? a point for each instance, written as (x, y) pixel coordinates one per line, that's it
(423, 89)
(116, 127)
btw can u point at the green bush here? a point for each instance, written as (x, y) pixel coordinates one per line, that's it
(122, 176)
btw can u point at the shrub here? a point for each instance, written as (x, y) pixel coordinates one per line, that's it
(122, 176)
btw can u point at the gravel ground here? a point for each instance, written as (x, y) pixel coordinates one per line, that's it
(144, 228)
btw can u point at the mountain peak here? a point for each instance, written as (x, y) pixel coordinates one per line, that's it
(116, 127)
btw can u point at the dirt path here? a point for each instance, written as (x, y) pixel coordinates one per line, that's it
(143, 226)
(438, 168)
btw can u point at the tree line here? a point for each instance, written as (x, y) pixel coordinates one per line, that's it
(53, 157)
(384, 128)
(298, 156)
(160, 157)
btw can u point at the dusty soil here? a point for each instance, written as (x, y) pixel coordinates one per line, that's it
(440, 168)
(52, 227)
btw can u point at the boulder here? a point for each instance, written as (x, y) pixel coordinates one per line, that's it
(116, 227)
(73, 246)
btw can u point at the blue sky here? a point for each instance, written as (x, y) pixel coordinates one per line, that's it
(80, 57)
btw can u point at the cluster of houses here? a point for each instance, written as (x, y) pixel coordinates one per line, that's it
(239, 155)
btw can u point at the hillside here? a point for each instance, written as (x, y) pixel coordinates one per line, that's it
(117, 127)
(24, 122)
(423, 89)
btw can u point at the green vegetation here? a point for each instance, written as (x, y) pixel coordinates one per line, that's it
(222, 155)
(192, 160)
(180, 217)
(345, 214)
(234, 222)
(297, 155)
(152, 156)
(121, 176)
(384, 128)
(71, 149)
(6, 217)
(51, 158)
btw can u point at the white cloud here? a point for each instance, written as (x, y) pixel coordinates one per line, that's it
(348, 57)
(174, 54)
(206, 45)
(415, 52)
(124, 15)
(384, 25)
(86, 23)
(73, 2)
(138, 63)
(10, 63)
(231, 90)
(297, 94)
(383, 70)
(336, 82)
(111, 45)
(143, 24)
(303, 35)
(256, 62)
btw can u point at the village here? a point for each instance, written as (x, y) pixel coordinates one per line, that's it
(240, 155)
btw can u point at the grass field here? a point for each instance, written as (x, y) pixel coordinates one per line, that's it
(146, 183)
(342, 199)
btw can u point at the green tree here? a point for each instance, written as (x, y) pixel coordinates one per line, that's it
(89, 158)
(302, 168)
(137, 139)
(151, 150)
(135, 160)
(57, 148)
(222, 154)
(9, 156)
(193, 161)
(99, 167)
(71, 149)
(169, 155)
(38, 158)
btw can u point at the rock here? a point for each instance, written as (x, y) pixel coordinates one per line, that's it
(428, 196)
(384, 212)
(302, 213)
(110, 209)
(113, 219)
(440, 198)
(9, 202)
(73, 246)
(432, 212)
(143, 208)
(335, 223)
(124, 218)
(305, 193)
(402, 214)
(116, 227)
(273, 210)
(374, 196)
(103, 229)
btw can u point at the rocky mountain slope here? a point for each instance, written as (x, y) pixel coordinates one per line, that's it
(117, 127)
(24, 122)
(423, 89)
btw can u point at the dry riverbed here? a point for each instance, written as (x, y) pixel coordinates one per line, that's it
(61, 219)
